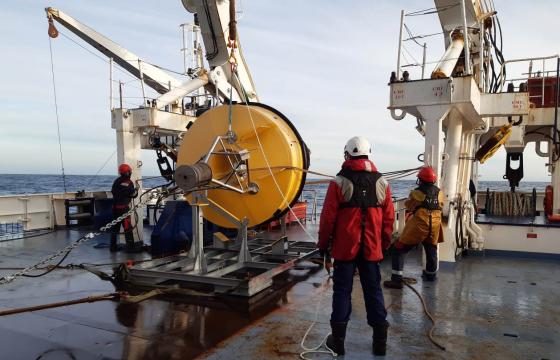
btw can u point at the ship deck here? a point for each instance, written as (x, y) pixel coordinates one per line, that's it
(487, 307)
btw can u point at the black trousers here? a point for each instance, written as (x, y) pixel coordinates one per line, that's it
(343, 280)
(399, 254)
(126, 225)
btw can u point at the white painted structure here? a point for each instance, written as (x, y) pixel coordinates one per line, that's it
(458, 110)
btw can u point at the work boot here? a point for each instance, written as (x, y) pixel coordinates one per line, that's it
(394, 283)
(335, 341)
(428, 277)
(379, 345)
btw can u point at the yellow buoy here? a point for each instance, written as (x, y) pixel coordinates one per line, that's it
(277, 168)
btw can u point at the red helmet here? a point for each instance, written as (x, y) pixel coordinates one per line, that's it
(427, 175)
(124, 168)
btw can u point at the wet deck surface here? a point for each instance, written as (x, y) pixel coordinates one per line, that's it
(487, 308)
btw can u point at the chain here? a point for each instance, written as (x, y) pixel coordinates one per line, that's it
(9, 278)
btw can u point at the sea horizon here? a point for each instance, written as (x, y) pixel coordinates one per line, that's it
(16, 184)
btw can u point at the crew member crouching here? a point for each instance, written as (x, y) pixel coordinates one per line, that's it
(123, 191)
(424, 226)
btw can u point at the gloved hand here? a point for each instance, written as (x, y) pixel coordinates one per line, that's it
(326, 256)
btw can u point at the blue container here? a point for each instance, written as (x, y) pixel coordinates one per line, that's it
(103, 212)
(173, 231)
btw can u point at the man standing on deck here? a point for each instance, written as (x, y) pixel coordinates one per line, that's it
(357, 224)
(424, 226)
(123, 191)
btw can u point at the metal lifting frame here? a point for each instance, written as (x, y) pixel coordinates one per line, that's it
(200, 200)
(242, 267)
(240, 156)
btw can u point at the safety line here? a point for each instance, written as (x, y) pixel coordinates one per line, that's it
(288, 167)
(325, 286)
(316, 349)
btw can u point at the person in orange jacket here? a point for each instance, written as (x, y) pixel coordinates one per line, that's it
(424, 226)
(357, 223)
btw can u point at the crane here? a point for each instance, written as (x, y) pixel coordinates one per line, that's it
(136, 128)
(226, 158)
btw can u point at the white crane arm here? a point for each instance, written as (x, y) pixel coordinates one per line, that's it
(214, 18)
(451, 17)
(153, 77)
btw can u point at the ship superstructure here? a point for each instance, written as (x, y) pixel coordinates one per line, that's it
(466, 109)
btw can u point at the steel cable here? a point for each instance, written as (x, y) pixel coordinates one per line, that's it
(101, 168)
(57, 117)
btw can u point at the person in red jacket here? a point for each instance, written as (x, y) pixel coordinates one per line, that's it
(356, 226)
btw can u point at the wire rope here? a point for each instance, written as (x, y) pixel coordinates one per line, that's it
(101, 168)
(57, 115)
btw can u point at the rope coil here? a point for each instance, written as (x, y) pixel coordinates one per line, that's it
(510, 204)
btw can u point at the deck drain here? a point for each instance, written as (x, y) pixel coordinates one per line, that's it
(511, 335)
(533, 283)
(512, 282)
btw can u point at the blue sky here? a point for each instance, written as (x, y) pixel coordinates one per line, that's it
(324, 64)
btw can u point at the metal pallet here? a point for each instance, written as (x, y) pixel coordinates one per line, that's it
(226, 272)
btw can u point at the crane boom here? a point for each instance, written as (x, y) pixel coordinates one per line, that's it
(215, 19)
(155, 78)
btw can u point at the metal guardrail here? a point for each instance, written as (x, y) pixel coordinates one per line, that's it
(530, 74)
(10, 230)
(400, 210)
(313, 204)
(45, 211)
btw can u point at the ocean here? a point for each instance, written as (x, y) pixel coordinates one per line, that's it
(40, 184)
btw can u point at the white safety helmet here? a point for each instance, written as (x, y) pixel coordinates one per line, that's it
(358, 146)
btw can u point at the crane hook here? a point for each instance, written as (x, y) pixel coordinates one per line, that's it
(53, 32)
